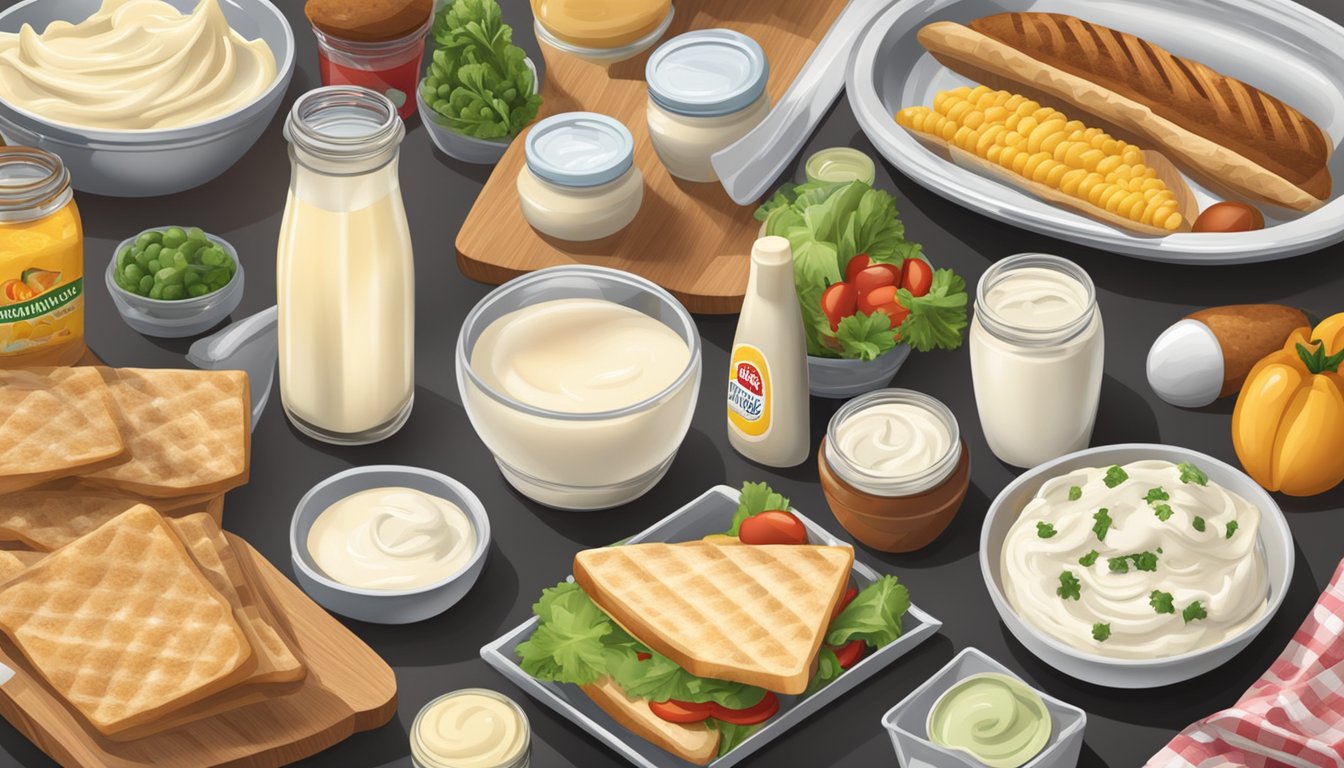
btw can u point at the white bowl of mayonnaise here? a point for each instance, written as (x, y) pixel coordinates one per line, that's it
(142, 129)
(1135, 565)
(388, 544)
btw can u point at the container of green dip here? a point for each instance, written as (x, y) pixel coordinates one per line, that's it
(996, 719)
(841, 164)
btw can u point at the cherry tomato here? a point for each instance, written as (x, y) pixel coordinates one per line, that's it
(856, 265)
(895, 313)
(763, 711)
(849, 654)
(870, 301)
(876, 277)
(773, 527)
(845, 600)
(916, 276)
(641, 656)
(674, 711)
(838, 301)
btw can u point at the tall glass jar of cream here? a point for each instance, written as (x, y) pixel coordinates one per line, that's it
(1037, 349)
(706, 91)
(580, 182)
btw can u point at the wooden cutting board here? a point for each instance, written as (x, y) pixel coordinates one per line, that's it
(690, 238)
(348, 689)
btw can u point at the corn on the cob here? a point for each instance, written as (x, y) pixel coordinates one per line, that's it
(1042, 145)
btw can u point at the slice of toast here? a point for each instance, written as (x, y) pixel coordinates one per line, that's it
(48, 518)
(55, 422)
(750, 614)
(124, 626)
(693, 742)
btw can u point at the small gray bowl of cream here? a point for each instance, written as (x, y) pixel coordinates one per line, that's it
(388, 544)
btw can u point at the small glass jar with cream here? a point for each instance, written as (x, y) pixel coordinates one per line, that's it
(1037, 349)
(580, 182)
(471, 728)
(894, 468)
(706, 91)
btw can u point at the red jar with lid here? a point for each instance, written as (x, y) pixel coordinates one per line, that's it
(375, 44)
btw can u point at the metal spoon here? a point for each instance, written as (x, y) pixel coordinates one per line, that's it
(251, 345)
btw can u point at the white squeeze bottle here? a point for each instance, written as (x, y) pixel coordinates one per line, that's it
(767, 375)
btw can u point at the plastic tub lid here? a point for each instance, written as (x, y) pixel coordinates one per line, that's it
(580, 149)
(707, 73)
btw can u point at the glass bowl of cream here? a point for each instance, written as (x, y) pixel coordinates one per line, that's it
(144, 139)
(471, 728)
(1135, 565)
(581, 381)
(388, 544)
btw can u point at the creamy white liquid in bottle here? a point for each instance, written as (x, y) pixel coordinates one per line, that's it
(1036, 358)
(768, 418)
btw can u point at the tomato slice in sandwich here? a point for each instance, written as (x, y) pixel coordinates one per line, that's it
(762, 711)
(849, 654)
(674, 711)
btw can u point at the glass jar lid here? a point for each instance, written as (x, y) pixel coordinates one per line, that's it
(707, 73)
(33, 183)
(579, 149)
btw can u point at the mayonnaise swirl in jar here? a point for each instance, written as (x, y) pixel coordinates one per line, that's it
(135, 64)
(897, 440)
(471, 728)
(1149, 560)
(391, 538)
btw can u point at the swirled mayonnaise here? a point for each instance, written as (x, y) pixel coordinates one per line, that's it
(994, 717)
(895, 440)
(135, 64)
(471, 728)
(1127, 583)
(391, 538)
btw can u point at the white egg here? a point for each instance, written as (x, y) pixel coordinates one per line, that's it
(1185, 365)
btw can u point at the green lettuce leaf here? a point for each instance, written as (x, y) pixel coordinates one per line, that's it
(731, 736)
(575, 641)
(755, 499)
(828, 669)
(864, 337)
(478, 81)
(874, 615)
(938, 318)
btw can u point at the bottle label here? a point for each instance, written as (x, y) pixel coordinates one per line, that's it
(749, 399)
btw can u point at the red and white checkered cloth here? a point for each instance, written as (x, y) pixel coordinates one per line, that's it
(1293, 717)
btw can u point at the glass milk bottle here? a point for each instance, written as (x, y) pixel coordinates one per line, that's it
(1037, 349)
(345, 280)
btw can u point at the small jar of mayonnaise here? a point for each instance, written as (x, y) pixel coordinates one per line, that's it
(894, 468)
(471, 728)
(580, 182)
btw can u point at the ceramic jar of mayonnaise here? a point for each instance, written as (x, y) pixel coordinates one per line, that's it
(706, 91)
(580, 182)
(471, 728)
(894, 468)
(1037, 350)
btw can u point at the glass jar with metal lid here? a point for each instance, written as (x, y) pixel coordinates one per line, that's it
(41, 261)
(580, 182)
(706, 91)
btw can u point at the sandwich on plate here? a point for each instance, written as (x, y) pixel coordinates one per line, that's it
(691, 645)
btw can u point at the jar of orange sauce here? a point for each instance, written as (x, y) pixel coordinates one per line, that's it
(41, 261)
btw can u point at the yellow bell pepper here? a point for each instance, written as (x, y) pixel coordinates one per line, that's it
(1288, 424)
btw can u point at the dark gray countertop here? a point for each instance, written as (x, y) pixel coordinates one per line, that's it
(533, 546)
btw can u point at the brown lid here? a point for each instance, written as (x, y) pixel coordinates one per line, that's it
(368, 21)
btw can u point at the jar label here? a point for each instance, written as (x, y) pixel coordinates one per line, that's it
(749, 399)
(41, 285)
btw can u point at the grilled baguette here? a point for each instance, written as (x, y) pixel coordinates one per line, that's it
(1225, 131)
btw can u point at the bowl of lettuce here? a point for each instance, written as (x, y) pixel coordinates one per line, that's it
(480, 90)
(829, 224)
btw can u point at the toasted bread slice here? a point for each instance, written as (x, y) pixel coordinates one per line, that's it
(54, 423)
(47, 519)
(750, 614)
(693, 742)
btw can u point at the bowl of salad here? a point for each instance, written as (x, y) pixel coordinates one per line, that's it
(480, 90)
(868, 296)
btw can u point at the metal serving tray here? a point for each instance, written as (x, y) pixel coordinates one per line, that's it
(710, 513)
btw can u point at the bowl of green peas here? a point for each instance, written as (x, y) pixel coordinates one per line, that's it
(173, 282)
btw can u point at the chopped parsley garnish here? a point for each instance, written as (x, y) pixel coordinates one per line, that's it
(1115, 476)
(1194, 611)
(1161, 601)
(1100, 632)
(1231, 528)
(1088, 559)
(1069, 586)
(1143, 561)
(1075, 493)
(1103, 523)
(1198, 522)
(1156, 494)
(1192, 474)
(1163, 512)
(1045, 530)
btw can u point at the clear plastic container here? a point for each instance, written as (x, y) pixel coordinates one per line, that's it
(580, 460)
